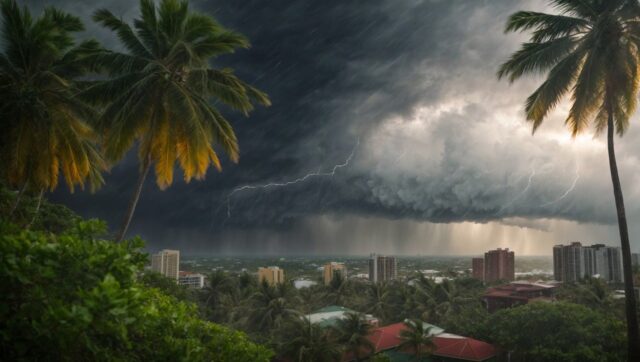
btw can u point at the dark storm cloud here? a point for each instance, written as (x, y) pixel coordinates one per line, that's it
(342, 71)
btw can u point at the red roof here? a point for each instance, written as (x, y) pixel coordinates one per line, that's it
(464, 348)
(447, 345)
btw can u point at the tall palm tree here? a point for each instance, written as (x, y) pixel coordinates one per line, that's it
(160, 91)
(308, 342)
(353, 332)
(417, 338)
(45, 131)
(589, 50)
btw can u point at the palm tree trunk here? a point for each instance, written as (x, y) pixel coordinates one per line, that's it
(35, 214)
(18, 198)
(134, 199)
(630, 297)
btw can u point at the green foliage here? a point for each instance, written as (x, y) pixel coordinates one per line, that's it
(45, 132)
(303, 341)
(160, 91)
(54, 218)
(592, 54)
(557, 332)
(74, 297)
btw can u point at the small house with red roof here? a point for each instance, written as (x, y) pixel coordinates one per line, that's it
(448, 347)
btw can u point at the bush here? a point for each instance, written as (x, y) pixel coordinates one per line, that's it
(74, 297)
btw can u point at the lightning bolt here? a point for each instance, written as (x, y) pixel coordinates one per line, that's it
(566, 193)
(522, 193)
(304, 178)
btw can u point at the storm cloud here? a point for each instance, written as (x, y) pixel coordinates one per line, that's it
(409, 88)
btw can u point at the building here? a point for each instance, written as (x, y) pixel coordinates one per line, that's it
(499, 264)
(167, 263)
(477, 268)
(573, 262)
(191, 280)
(382, 268)
(272, 275)
(635, 259)
(516, 293)
(329, 316)
(331, 270)
(447, 346)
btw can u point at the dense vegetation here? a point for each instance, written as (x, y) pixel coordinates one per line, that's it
(586, 324)
(74, 295)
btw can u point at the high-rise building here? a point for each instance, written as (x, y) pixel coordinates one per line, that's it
(167, 263)
(191, 280)
(635, 259)
(499, 264)
(477, 268)
(272, 275)
(382, 268)
(573, 262)
(331, 269)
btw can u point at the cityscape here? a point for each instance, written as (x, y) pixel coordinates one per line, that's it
(320, 181)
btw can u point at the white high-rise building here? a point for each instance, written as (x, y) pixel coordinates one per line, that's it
(574, 262)
(167, 263)
(382, 268)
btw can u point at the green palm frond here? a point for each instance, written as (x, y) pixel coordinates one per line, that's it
(536, 57)
(590, 51)
(161, 92)
(49, 135)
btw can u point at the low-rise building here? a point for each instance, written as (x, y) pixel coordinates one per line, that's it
(517, 293)
(329, 316)
(191, 280)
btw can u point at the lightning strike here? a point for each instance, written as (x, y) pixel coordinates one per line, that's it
(566, 193)
(304, 178)
(521, 194)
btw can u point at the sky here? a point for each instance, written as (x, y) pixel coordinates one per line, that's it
(389, 132)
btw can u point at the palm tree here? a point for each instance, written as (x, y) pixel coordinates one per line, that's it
(591, 51)
(160, 91)
(337, 289)
(353, 332)
(378, 296)
(417, 338)
(270, 308)
(45, 131)
(308, 342)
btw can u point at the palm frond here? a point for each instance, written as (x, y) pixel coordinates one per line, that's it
(536, 57)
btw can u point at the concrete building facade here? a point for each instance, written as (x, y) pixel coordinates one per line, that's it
(191, 280)
(331, 269)
(167, 263)
(573, 262)
(382, 268)
(499, 264)
(272, 275)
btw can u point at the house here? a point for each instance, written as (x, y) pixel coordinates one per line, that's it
(329, 316)
(517, 293)
(449, 347)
